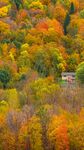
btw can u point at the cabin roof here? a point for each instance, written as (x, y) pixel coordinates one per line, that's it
(68, 73)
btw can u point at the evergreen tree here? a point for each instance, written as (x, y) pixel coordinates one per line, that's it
(54, 1)
(72, 8)
(18, 3)
(5, 76)
(66, 23)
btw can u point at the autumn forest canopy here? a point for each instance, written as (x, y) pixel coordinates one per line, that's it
(39, 40)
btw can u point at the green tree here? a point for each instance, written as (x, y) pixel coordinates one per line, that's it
(40, 64)
(72, 8)
(18, 3)
(66, 23)
(57, 62)
(80, 73)
(5, 76)
(81, 14)
(54, 1)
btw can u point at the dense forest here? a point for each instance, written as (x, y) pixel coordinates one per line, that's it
(40, 39)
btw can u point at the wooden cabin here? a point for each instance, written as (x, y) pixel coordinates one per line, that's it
(68, 76)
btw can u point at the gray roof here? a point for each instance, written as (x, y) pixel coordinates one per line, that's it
(68, 73)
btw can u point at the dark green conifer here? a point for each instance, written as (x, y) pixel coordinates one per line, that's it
(72, 8)
(18, 3)
(5, 76)
(54, 1)
(66, 23)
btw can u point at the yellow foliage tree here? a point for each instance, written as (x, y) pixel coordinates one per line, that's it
(35, 133)
(4, 11)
